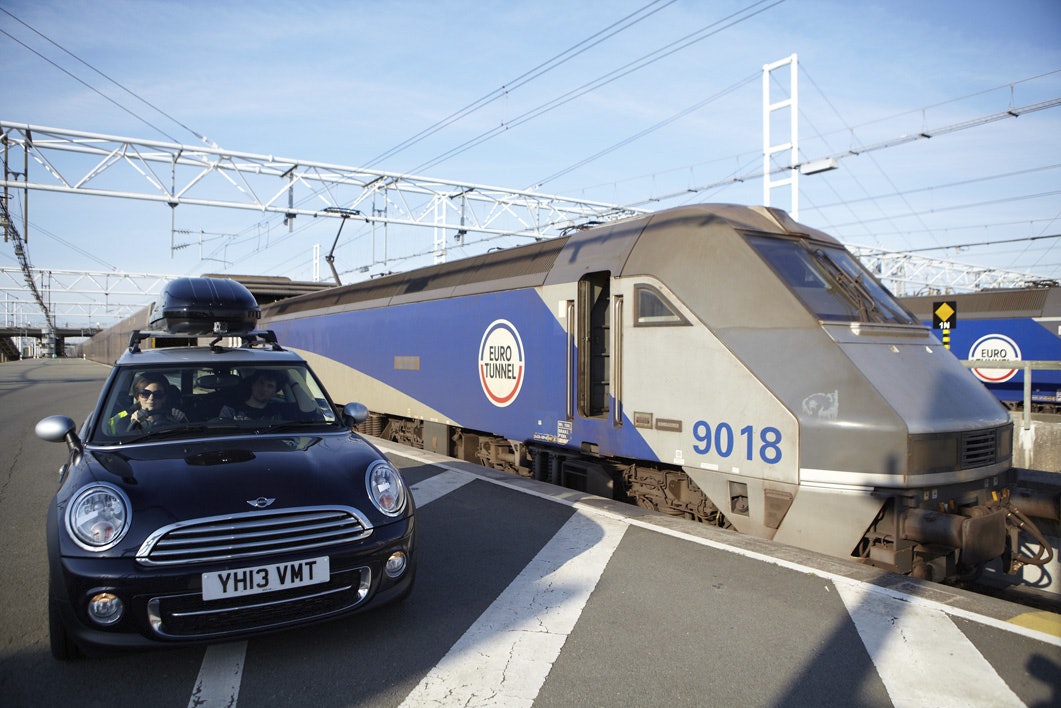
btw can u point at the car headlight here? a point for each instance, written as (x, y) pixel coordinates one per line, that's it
(385, 487)
(98, 517)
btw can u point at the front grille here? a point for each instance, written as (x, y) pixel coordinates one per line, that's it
(187, 616)
(252, 534)
(979, 448)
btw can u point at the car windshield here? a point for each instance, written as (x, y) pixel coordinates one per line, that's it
(166, 402)
(831, 282)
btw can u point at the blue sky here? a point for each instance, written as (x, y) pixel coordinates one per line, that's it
(344, 82)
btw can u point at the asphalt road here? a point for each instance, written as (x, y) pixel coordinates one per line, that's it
(534, 596)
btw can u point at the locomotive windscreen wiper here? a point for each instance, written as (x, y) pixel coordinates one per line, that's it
(852, 287)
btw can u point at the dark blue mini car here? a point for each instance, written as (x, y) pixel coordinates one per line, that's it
(217, 492)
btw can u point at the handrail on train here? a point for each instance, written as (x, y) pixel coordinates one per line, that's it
(1028, 366)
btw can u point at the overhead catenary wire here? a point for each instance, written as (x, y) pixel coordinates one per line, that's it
(872, 158)
(744, 14)
(582, 46)
(655, 7)
(690, 194)
(548, 65)
(862, 149)
(993, 242)
(955, 207)
(89, 86)
(711, 29)
(108, 78)
(649, 130)
(756, 157)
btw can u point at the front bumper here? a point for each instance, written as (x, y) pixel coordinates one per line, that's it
(164, 605)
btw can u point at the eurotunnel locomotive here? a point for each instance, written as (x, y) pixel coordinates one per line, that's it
(718, 362)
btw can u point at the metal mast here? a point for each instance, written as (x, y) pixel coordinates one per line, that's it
(791, 145)
(11, 233)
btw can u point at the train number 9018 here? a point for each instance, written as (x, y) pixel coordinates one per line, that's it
(764, 445)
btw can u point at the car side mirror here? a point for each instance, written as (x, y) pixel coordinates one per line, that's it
(59, 428)
(354, 414)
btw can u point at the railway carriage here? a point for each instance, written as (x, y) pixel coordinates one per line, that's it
(719, 362)
(1012, 324)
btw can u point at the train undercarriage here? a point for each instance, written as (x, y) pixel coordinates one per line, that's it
(948, 543)
(1040, 407)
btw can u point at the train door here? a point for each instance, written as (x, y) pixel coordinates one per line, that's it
(594, 344)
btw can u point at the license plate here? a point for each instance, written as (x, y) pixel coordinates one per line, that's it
(220, 584)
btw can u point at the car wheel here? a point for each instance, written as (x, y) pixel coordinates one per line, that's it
(64, 648)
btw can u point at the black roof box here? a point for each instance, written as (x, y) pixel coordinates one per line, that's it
(202, 306)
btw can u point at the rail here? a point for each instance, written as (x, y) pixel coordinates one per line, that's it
(1028, 366)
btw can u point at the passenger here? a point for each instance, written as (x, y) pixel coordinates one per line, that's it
(260, 405)
(150, 408)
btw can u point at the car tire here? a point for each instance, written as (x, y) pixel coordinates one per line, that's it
(64, 648)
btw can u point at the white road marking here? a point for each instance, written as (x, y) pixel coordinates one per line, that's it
(439, 485)
(912, 646)
(1039, 635)
(221, 672)
(1036, 634)
(894, 626)
(504, 658)
(219, 676)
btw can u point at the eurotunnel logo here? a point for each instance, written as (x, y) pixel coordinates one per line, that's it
(995, 347)
(501, 363)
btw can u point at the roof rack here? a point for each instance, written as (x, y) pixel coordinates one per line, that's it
(248, 339)
(258, 336)
(137, 336)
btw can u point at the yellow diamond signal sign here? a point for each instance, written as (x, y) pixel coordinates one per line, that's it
(945, 315)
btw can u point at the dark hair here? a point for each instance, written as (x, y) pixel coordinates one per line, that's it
(273, 375)
(143, 380)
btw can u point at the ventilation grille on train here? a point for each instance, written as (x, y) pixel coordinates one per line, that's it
(253, 534)
(979, 448)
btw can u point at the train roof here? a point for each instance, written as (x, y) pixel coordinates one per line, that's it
(992, 304)
(270, 288)
(598, 248)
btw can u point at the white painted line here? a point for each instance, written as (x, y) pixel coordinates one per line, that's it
(504, 658)
(219, 676)
(914, 646)
(221, 672)
(1003, 625)
(440, 485)
(841, 579)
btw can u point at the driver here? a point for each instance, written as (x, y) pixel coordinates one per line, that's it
(150, 408)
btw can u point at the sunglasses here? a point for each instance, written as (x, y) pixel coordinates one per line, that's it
(147, 393)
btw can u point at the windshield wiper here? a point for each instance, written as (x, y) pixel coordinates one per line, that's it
(868, 309)
(165, 433)
(181, 431)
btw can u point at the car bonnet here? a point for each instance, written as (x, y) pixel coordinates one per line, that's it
(182, 480)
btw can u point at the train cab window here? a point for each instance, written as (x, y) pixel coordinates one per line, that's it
(830, 282)
(885, 305)
(653, 310)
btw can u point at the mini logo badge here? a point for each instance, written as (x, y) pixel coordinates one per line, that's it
(501, 363)
(260, 502)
